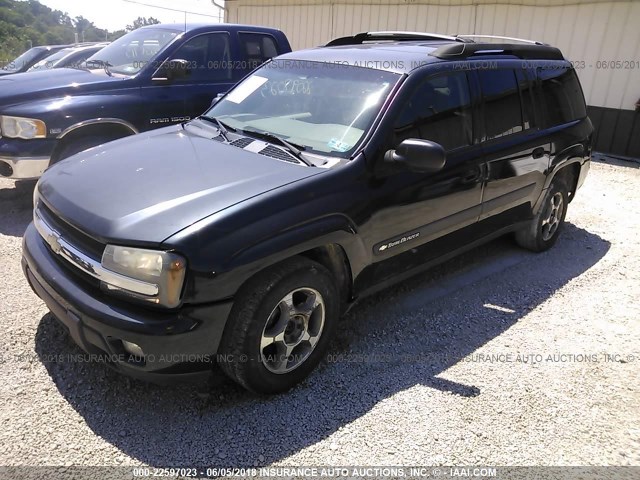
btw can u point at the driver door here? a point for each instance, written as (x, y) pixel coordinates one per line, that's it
(418, 208)
(208, 61)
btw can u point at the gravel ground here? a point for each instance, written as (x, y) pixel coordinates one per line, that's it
(496, 357)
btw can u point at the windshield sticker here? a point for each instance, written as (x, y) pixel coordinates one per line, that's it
(246, 88)
(338, 145)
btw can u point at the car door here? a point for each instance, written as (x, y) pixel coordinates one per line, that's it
(414, 209)
(516, 150)
(208, 61)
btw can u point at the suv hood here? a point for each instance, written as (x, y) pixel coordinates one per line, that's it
(147, 187)
(15, 88)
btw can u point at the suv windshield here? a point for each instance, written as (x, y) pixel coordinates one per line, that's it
(322, 107)
(129, 54)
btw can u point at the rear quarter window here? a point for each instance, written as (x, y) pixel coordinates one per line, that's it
(561, 96)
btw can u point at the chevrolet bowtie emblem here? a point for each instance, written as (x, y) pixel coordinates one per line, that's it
(54, 242)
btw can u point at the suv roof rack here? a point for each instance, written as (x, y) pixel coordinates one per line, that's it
(461, 46)
(392, 36)
(498, 37)
(527, 51)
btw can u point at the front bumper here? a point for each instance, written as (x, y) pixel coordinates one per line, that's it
(23, 168)
(25, 159)
(177, 345)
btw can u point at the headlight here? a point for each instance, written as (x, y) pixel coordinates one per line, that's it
(36, 195)
(18, 127)
(164, 270)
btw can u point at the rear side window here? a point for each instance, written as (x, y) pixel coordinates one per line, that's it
(258, 48)
(561, 96)
(502, 108)
(439, 110)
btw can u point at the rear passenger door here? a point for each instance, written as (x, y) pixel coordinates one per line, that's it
(515, 150)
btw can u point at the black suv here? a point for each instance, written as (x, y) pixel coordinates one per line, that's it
(240, 237)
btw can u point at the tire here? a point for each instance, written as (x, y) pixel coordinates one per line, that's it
(80, 145)
(545, 228)
(267, 346)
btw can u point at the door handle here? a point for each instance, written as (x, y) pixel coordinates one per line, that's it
(538, 152)
(471, 177)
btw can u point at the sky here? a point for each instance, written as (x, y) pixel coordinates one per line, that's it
(117, 14)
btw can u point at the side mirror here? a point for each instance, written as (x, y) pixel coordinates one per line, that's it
(217, 98)
(418, 155)
(172, 70)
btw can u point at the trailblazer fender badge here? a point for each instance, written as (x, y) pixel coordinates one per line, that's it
(387, 244)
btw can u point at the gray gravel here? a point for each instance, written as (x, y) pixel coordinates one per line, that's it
(465, 372)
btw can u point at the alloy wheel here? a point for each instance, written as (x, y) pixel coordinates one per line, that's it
(551, 221)
(292, 330)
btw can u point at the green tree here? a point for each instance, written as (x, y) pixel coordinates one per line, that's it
(24, 24)
(142, 22)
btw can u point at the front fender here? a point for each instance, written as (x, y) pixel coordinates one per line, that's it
(206, 286)
(59, 114)
(333, 229)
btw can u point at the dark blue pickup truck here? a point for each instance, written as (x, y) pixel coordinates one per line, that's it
(152, 77)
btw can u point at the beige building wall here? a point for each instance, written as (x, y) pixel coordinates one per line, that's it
(591, 33)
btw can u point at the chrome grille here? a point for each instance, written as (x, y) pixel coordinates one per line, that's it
(85, 263)
(84, 242)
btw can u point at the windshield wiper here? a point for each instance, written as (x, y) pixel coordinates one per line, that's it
(103, 63)
(294, 148)
(222, 127)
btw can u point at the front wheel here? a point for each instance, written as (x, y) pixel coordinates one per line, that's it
(280, 326)
(544, 229)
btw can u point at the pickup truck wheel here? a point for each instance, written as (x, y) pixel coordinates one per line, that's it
(82, 144)
(544, 229)
(280, 326)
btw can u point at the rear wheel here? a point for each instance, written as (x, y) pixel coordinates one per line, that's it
(544, 229)
(280, 326)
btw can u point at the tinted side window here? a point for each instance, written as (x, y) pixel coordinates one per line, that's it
(502, 111)
(258, 48)
(561, 96)
(440, 111)
(207, 56)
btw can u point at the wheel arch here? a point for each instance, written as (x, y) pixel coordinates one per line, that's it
(568, 172)
(334, 258)
(331, 242)
(108, 127)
